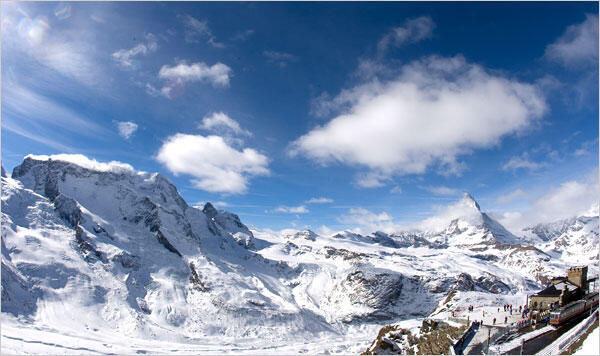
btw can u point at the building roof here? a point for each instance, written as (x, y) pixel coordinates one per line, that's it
(556, 289)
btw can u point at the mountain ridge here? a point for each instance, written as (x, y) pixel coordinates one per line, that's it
(125, 247)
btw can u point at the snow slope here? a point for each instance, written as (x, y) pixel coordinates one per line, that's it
(591, 344)
(99, 257)
(573, 240)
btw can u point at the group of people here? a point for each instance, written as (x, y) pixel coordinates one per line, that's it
(523, 323)
(506, 307)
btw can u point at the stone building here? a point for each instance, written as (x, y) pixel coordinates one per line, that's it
(562, 290)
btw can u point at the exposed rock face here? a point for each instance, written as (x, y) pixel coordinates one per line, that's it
(68, 209)
(433, 338)
(222, 221)
(378, 292)
(306, 235)
(332, 252)
(487, 283)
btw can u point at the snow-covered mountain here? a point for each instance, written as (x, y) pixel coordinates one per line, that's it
(98, 251)
(573, 240)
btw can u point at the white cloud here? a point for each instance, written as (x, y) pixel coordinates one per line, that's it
(441, 190)
(125, 57)
(371, 179)
(127, 128)
(218, 75)
(411, 31)
(219, 120)
(371, 68)
(243, 35)
(507, 198)
(587, 147)
(325, 230)
(522, 162)
(152, 91)
(320, 200)
(83, 161)
(571, 198)
(63, 49)
(396, 190)
(465, 209)
(366, 221)
(36, 112)
(578, 45)
(38, 136)
(279, 58)
(196, 30)
(291, 209)
(437, 109)
(215, 166)
(97, 19)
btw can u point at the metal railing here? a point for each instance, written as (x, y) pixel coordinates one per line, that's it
(463, 341)
(565, 341)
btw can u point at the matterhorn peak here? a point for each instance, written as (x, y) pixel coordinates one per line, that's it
(469, 200)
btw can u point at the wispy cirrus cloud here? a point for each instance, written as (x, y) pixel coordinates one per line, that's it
(320, 200)
(33, 108)
(396, 190)
(440, 190)
(62, 49)
(411, 31)
(522, 162)
(197, 30)
(578, 45)
(280, 59)
(301, 209)
(126, 57)
(243, 35)
(511, 196)
(219, 121)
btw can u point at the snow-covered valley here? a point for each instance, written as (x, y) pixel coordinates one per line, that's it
(104, 259)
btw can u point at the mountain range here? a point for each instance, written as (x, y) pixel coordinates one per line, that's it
(108, 259)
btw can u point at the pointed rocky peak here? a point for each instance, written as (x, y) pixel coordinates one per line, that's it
(209, 210)
(469, 200)
(3, 172)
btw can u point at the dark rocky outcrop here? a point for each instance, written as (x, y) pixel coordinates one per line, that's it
(163, 241)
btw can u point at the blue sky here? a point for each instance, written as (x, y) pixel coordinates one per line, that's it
(323, 115)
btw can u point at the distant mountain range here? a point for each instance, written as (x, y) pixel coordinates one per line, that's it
(108, 253)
